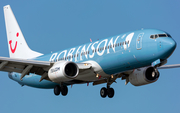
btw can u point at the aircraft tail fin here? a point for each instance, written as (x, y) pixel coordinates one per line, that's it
(17, 45)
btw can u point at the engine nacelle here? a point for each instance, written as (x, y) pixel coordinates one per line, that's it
(63, 71)
(144, 76)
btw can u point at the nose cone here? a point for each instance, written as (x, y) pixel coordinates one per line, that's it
(169, 45)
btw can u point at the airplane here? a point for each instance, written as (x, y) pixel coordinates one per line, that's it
(133, 56)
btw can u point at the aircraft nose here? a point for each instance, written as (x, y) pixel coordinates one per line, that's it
(169, 46)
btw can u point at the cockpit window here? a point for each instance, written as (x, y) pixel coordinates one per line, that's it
(162, 35)
(152, 36)
(159, 35)
(156, 36)
(168, 35)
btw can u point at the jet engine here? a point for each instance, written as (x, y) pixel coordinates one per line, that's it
(144, 76)
(63, 71)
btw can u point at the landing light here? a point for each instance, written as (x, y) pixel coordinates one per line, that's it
(85, 64)
(97, 75)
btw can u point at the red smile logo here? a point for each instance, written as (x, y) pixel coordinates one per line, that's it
(10, 42)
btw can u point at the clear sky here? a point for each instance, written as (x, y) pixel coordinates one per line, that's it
(58, 24)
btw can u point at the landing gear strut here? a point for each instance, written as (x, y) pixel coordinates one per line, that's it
(62, 89)
(107, 91)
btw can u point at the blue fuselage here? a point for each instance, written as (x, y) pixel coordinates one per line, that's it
(115, 54)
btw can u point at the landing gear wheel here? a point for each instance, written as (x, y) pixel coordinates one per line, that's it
(57, 90)
(110, 92)
(103, 92)
(64, 90)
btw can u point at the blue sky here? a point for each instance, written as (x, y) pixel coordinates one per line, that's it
(59, 24)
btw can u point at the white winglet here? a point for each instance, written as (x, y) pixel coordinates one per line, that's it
(17, 45)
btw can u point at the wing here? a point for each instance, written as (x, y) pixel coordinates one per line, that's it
(24, 66)
(41, 68)
(124, 75)
(169, 66)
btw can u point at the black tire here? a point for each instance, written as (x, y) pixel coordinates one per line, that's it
(103, 92)
(64, 90)
(57, 90)
(110, 92)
